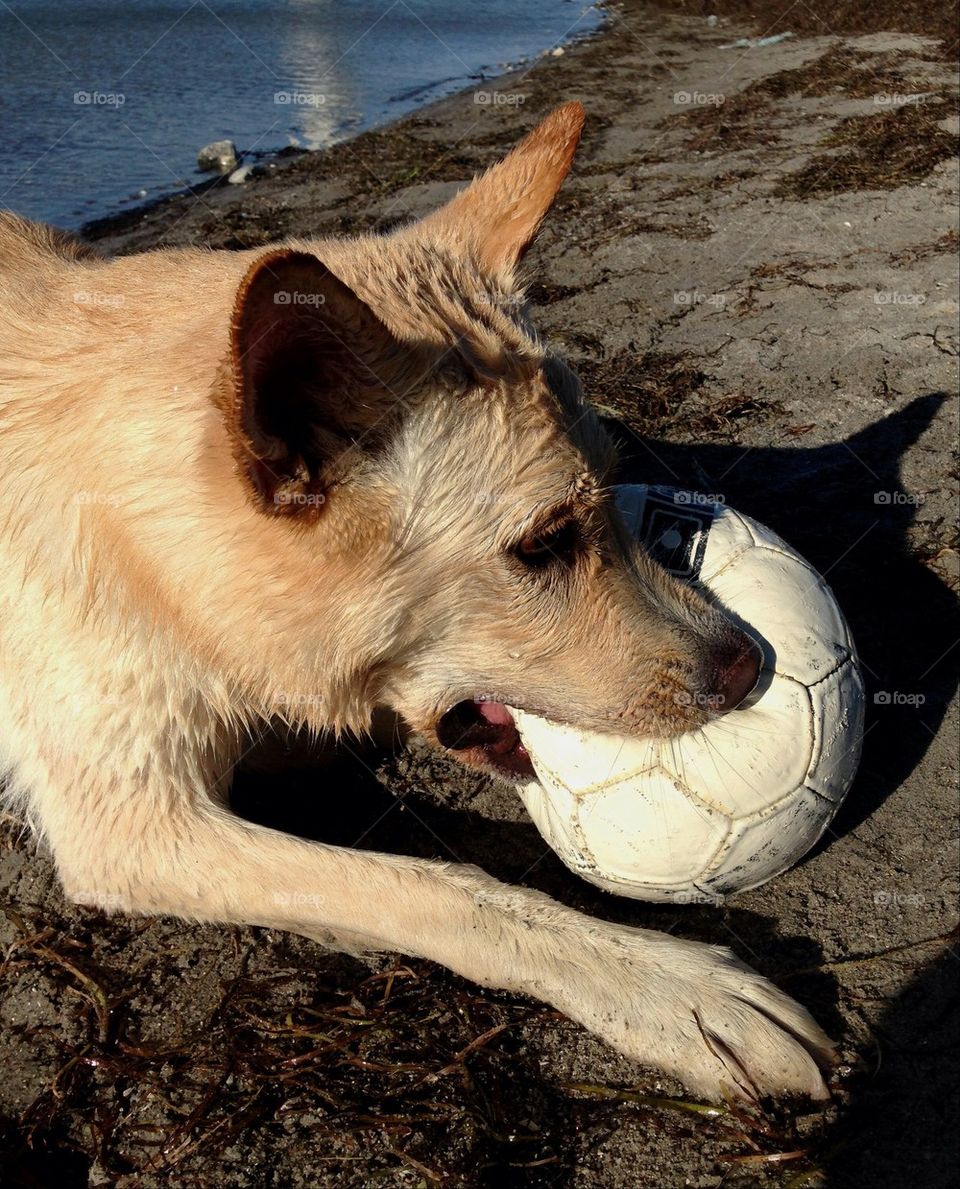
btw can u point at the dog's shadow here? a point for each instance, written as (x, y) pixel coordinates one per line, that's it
(843, 506)
(902, 1127)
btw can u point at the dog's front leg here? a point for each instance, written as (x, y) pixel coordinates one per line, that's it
(687, 1008)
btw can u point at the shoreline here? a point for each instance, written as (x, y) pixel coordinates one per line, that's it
(378, 161)
(273, 162)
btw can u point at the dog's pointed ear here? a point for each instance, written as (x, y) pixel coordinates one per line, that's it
(308, 387)
(496, 218)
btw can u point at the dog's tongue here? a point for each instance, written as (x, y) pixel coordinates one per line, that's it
(494, 712)
(478, 723)
(506, 736)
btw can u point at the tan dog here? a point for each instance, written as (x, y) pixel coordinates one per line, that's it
(310, 481)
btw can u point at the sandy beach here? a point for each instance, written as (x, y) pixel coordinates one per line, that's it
(753, 268)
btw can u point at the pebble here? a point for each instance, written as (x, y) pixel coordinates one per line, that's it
(220, 156)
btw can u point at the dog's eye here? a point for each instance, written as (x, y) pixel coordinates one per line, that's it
(558, 543)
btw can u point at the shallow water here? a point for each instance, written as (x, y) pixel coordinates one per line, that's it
(105, 104)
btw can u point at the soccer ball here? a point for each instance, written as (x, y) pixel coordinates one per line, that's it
(729, 806)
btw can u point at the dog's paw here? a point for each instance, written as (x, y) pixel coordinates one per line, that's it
(698, 1013)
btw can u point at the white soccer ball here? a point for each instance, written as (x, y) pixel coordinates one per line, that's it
(729, 806)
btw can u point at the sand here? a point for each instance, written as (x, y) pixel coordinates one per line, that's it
(753, 266)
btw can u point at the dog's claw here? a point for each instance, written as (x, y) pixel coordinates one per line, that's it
(700, 1014)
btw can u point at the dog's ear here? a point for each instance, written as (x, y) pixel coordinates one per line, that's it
(309, 386)
(496, 218)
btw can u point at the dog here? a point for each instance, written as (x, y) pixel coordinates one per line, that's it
(303, 482)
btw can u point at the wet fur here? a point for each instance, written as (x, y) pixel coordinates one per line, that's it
(179, 567)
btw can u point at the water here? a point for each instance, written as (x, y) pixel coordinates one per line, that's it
(106, 104)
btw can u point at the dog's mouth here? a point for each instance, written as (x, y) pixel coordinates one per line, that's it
(482, 732)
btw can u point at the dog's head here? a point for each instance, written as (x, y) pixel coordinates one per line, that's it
(390, 405)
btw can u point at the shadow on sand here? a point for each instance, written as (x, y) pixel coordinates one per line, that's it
(843, 506)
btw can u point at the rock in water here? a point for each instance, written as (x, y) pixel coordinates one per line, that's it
(218, 157)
